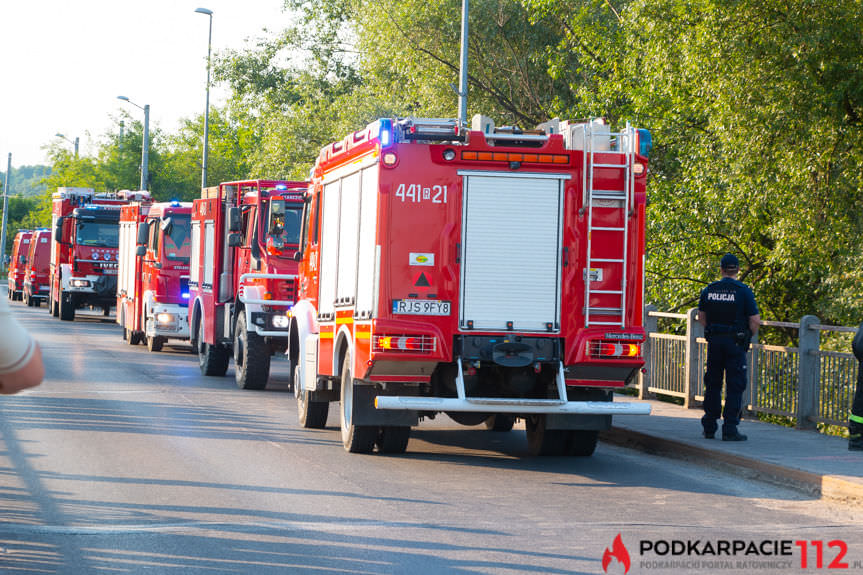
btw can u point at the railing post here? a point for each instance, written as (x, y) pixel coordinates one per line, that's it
(694, 330)
(651, 325)
(753, 373)
(807, 372)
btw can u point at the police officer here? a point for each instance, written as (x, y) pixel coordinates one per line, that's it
(730, 317)
(855, 420)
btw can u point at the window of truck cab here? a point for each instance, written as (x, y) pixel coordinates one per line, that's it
(177, 240)
(97, 233)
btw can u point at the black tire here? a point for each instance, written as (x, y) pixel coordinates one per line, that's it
(355, 438)
(582, 442)
(154, 343)
(212, 359)
(53, 307)
(251, 356)
(310, 414)
(67, 307)
(393, 439)
(106, 310)
(27, 300)
(500, 422)
(542, 441)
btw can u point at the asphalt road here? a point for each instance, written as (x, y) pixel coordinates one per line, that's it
(124, 461)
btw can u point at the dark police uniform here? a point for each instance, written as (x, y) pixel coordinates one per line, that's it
(727, 305)
(855, 420)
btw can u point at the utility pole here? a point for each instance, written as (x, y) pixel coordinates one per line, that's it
(462, 82)
(5, 214)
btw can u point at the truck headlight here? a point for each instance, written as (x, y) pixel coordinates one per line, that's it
(281, 321)
(80, 283)
(165, 318)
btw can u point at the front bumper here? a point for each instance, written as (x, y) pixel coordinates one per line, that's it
(168, 320)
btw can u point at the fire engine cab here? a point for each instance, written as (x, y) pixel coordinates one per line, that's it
(153, 279)
(83, 269)
(242, 280)
(492, 274)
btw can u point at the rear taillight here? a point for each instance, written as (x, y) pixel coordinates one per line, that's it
(404, 343)
(613, 349)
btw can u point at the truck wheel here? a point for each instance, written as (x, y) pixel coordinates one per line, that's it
(393, 438)
(154, 343)
(27, 300)
(542, 441)
(67, 306)
(500, 422)
(311, 414)
(251, 356)
(582, 442)
(52, 306)
(212, 359)
(355, 438)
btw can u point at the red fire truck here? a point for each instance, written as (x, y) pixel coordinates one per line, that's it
(36, 272)
(17, 264)
(244, 237)
(83, 268)
(492, 274)
(153, 277)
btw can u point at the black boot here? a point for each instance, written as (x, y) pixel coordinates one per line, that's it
(855, 436)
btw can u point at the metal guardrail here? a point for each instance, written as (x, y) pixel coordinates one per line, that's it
(805, 383)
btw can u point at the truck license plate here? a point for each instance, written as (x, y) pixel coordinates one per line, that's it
(421, 307)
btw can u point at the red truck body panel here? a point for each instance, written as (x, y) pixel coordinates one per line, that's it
(36, 277)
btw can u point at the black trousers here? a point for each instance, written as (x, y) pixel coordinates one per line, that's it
(724, 357)
(856, 420)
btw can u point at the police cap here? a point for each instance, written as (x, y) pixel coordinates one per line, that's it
(729, 262)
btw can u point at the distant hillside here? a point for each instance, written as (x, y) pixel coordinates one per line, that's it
(26, 180)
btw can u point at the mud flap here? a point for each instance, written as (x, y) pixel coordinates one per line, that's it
(365, 412)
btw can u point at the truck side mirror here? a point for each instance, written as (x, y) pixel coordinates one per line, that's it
(256, 249)
(234, 220)
(298, 256)
(141, 251)
(58, 231)
(167, 225)
(143, 232)
(235, 240)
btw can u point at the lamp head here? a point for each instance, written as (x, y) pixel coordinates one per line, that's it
(204, 11)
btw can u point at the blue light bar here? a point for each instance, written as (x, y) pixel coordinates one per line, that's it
(385, 132)
(281, 187)
(185, 295)
(645, 142)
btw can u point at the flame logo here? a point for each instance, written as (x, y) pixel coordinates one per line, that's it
(619, 552)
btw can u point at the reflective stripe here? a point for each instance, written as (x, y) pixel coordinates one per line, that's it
(855, 418)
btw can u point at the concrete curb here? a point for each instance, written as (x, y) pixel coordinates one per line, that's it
(820, 485)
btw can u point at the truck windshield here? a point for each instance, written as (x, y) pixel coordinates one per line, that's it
(177, 245)
(96, 233)
(283, 223)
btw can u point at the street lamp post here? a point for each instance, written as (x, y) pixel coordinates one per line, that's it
(207, 105)
(75, 143)
(5, 213)
(145, 153)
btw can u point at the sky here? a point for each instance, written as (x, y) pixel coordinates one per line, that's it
(64, 62)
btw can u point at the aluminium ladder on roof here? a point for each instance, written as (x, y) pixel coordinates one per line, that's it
(596, 158)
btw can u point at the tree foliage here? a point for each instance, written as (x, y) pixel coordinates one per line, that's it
(756, 110)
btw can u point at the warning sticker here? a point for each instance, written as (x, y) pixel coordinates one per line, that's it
(421, 259)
